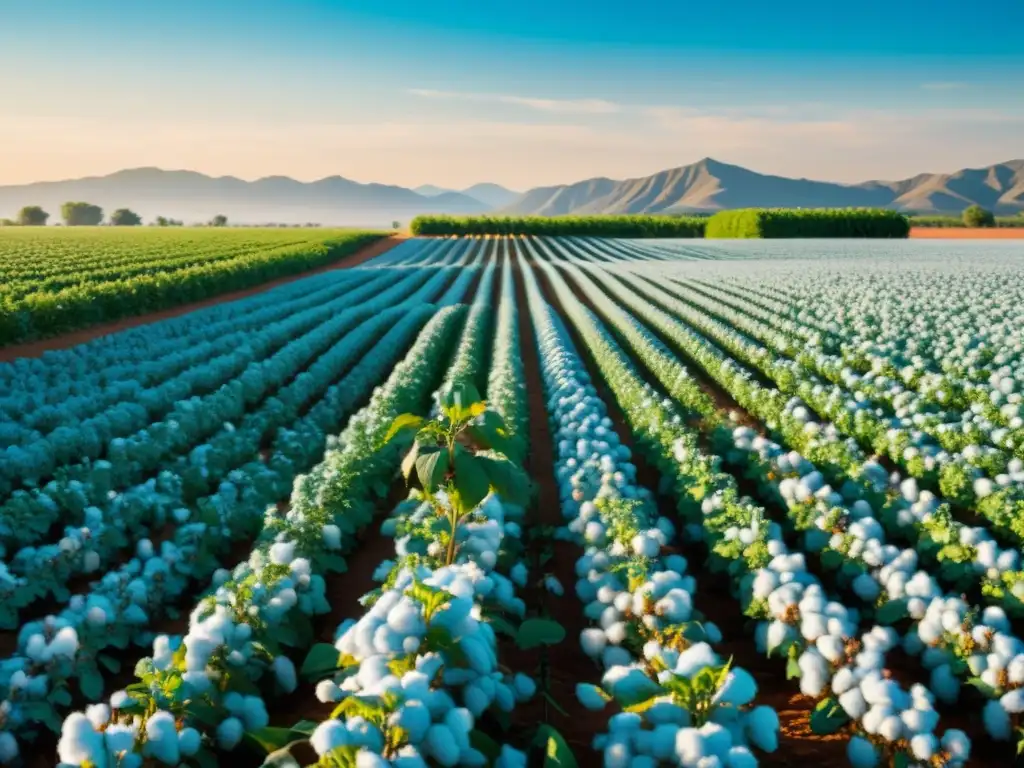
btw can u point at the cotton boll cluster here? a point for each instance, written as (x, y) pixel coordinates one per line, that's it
(659, 601)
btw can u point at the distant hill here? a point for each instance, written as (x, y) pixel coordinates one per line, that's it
(194, 197)
(710, 185)
(491, 195)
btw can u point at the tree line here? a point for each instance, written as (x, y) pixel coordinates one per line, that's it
(79, 214)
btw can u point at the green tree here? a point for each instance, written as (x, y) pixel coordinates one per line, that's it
(976, 216)
(123, 217)
(81, 214)
(161, 221)
(220, 220)
(32, 216)
(8, 223)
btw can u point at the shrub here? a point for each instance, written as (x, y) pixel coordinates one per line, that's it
(800, 222)
(976, 216)
(592, 226)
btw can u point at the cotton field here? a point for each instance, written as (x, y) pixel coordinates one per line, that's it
(531, 501)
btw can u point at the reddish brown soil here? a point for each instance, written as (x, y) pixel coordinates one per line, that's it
(967, 233)
(37, 348)
(566, 664)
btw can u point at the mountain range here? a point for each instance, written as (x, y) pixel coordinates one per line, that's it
(705, 186)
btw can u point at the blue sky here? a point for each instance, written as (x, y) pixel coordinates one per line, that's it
(522, 94)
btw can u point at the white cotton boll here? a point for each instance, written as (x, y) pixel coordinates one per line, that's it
(617, 755)
(1013, 702)
(891, 728)
(524, 687)
(229, 733)
(329, 735)
(367, 759)
(98, 714)
(189, 741)
(861, 753)
(957, 744)
(867, 588)
(739, 688)
(945, 684)
(590, 696)
(923, 746)
(694, 659)
(919, 720)
(616, 633)
(593, 641)
(331, 536)
(997, 721)
(853, 703)
(64, 644)
(690, 746)
(162, 738)
(740, 757)
(440, 744)
(79, 741)
(121, 738)
(831, 647)
(284, 671)
(762, 728)
(814, 672)
(843, 680)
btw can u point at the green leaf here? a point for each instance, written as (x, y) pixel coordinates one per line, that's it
(431, 467)
(828, 717)
(270, 739)
(557, 753)
(502, 625)
(901, 760)
(986, 690)
(642, 706)
(534, 632)
(112, 664)
(471, 480)
(507, 479)
(409, 462)
(322, 659)
(891, 612)
(305, 727)
(90, 683)
(205, 759)
(61, 697)
(41, 712)
(484, 744)
(401, 423)
(792, 669)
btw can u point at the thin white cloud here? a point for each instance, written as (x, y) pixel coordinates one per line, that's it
(948, 85)
(559, 106)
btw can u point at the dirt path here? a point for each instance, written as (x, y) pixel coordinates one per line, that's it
(37, 348)
(567, 665)
(966, 233)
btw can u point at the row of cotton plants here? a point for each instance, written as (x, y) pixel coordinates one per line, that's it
(124, 603)
(125, 430)
(689, 707)
(965, 556)
(40, 393)
(967, 433)
(927, 316)
(982, 378)
(796, 619)
(421, 666)
(212, 680)
(506, 384)
(104, 516)
(960, 482)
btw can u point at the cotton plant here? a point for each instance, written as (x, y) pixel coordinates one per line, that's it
(743, 542)
(648, 640)
(237, 633)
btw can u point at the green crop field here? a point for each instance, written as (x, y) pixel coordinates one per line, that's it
(54, 280)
